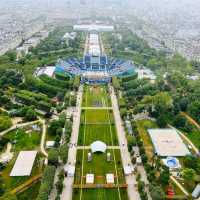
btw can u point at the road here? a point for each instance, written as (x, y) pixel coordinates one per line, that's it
(133, 194)
(68, 181)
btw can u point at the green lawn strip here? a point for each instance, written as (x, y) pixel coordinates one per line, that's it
(97, 116)
(99, 166)
(95, 132)
(96, 96)
(30, 193)
(143, 126)
(194, 136)
(100, 194)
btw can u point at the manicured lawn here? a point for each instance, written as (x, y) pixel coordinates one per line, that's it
(96, 96)
(90, 133)
(143, 126)
(194, 136)
(24, 141)
(97, 117)
(97, 124)
(100, 194)
(99, 166)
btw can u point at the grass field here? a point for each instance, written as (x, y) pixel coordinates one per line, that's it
(100, 194)
(93, 132)
(97, 117)
(142, 126)
(96, 97)
(98, 124)
(99, 166)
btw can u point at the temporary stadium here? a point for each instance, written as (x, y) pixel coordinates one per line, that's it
(95, 66)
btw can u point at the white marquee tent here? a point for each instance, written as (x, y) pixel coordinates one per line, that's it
(98, 146)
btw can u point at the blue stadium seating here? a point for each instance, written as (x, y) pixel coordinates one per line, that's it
(113, 66)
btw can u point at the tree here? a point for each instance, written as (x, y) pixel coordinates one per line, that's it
(5, 123)
(164, 177)
(188, 174)
(194, 110)
(53, 157)
(180, 121)
(162, 102)
(131, 142)
(11, 55)
(30, 115)
(157, 193)
(63, 152)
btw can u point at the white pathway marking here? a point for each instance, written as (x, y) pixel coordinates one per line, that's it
(68, 181)
(133, 194)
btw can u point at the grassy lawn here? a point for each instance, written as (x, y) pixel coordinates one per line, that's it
(100, 194)
(12, 182)
(97, 116)
(142, 126)
(99, 166)
(194, 136)
(105, 133)
(96, 96)
(30, 193)
(23, 140)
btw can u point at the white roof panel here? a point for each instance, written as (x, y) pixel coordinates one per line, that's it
(24, 163)
(167, 142)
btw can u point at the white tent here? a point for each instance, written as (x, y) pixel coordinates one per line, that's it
(128, 169)
(110, 178)
(98, 146)
(69, 170)
(90, 178)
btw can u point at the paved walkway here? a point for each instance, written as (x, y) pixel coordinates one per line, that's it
(179, 185)
(18, 126)
(68, 181)
(43, 138)
(142, 172)
(126, 159)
